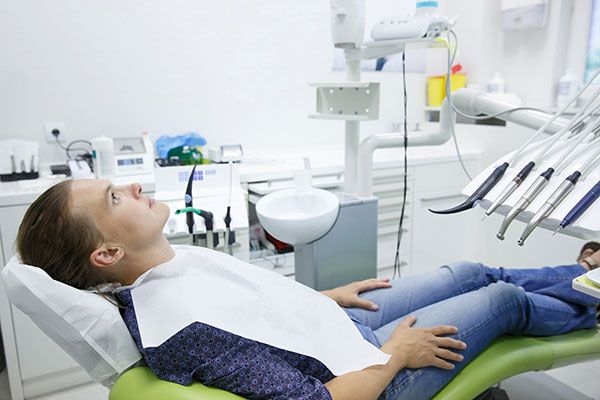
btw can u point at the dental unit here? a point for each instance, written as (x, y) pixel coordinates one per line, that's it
(189, 211)
(553, 201)
(541, 182)
(499, 171)
(560, 194)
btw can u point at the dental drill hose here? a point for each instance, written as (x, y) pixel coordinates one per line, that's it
(531, 193)
(479, 194)
(511, 187)
(553, 201)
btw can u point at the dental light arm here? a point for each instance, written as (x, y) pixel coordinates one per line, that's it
(469, 101)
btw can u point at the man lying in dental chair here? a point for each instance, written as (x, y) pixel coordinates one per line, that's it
(200, 315)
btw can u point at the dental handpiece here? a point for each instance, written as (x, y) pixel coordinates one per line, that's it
(581, 206)
(479, 193)
(536, 188)
(511, 187)
(553, 201)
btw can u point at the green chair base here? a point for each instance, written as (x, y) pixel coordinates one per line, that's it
(505, 357)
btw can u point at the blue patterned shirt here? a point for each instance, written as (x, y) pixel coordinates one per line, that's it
(221, 359)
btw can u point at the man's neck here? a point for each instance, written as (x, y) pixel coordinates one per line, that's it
(136, 263)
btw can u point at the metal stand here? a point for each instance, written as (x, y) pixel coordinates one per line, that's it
(347, 253)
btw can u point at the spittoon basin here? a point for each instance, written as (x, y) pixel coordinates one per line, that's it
(298, 217)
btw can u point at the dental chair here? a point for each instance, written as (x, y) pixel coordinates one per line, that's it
(505, 357)
(92, 332)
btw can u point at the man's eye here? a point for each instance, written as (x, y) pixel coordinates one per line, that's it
(115, 198)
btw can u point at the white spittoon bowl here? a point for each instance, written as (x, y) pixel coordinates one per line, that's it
(298, 217)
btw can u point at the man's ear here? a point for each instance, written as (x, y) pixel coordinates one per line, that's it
(105, 256)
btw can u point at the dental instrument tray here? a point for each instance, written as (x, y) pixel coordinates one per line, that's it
(587, 226)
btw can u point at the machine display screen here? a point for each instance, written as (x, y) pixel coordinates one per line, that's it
(129, 146)
(130, 161)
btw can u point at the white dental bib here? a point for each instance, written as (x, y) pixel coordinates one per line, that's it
(201, 285)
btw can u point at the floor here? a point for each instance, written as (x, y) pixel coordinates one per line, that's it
(529, 386)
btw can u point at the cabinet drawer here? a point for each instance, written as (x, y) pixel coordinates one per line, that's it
(394, 173)
(394, 201)
(443, 176)
(392, 216)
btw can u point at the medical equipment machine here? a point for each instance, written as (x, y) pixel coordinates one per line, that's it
(189, 210)
(200, 198)
(122, 156)
(354, 101)
(522, 175)
(426, 23)
(134, 155)
(19, 159)
(347, 251)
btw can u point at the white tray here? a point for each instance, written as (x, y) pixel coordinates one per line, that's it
(585, 285)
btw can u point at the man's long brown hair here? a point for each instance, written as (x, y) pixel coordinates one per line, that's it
(59, 241)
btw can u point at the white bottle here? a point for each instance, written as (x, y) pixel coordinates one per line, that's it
(566, 88)
(103, 154)
(496, 84)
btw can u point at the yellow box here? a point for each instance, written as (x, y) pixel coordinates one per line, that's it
(436, 87)
(436, 90)
(457, 81)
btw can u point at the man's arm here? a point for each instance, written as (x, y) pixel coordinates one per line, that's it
(409, 348)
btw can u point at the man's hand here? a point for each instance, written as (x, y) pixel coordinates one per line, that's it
(347, 296)
(423, 347)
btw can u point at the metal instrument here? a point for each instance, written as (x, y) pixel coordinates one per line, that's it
(553, 201)
(531, 193)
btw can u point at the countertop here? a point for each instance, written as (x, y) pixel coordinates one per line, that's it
(259, 165)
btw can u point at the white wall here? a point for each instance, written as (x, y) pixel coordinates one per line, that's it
(233, 70)
(531, 61)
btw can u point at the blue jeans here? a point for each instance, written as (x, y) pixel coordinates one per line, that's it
(483, 303)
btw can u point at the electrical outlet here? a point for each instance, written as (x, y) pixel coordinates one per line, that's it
(50, 126)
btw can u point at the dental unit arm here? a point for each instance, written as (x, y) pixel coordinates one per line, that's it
(469, 101)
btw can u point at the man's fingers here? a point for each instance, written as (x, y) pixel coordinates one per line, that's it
(371, 284)
(439, 330)
(439, 363)
(448, 355)
(366, 304)
(450, 343)
(409, 321)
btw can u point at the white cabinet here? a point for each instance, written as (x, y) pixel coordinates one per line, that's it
(441, 239)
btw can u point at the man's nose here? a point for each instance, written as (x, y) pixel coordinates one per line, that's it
(136, 190)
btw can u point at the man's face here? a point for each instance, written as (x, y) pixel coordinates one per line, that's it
(124, 216)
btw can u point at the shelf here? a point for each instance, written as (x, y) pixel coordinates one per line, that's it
(402, 42)
(340, 84)
(341, 117)
(382, 48)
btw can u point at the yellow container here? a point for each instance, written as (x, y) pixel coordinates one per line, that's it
(457, 81)
(436, 87)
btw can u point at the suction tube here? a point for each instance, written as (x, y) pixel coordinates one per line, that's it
(479, 194)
